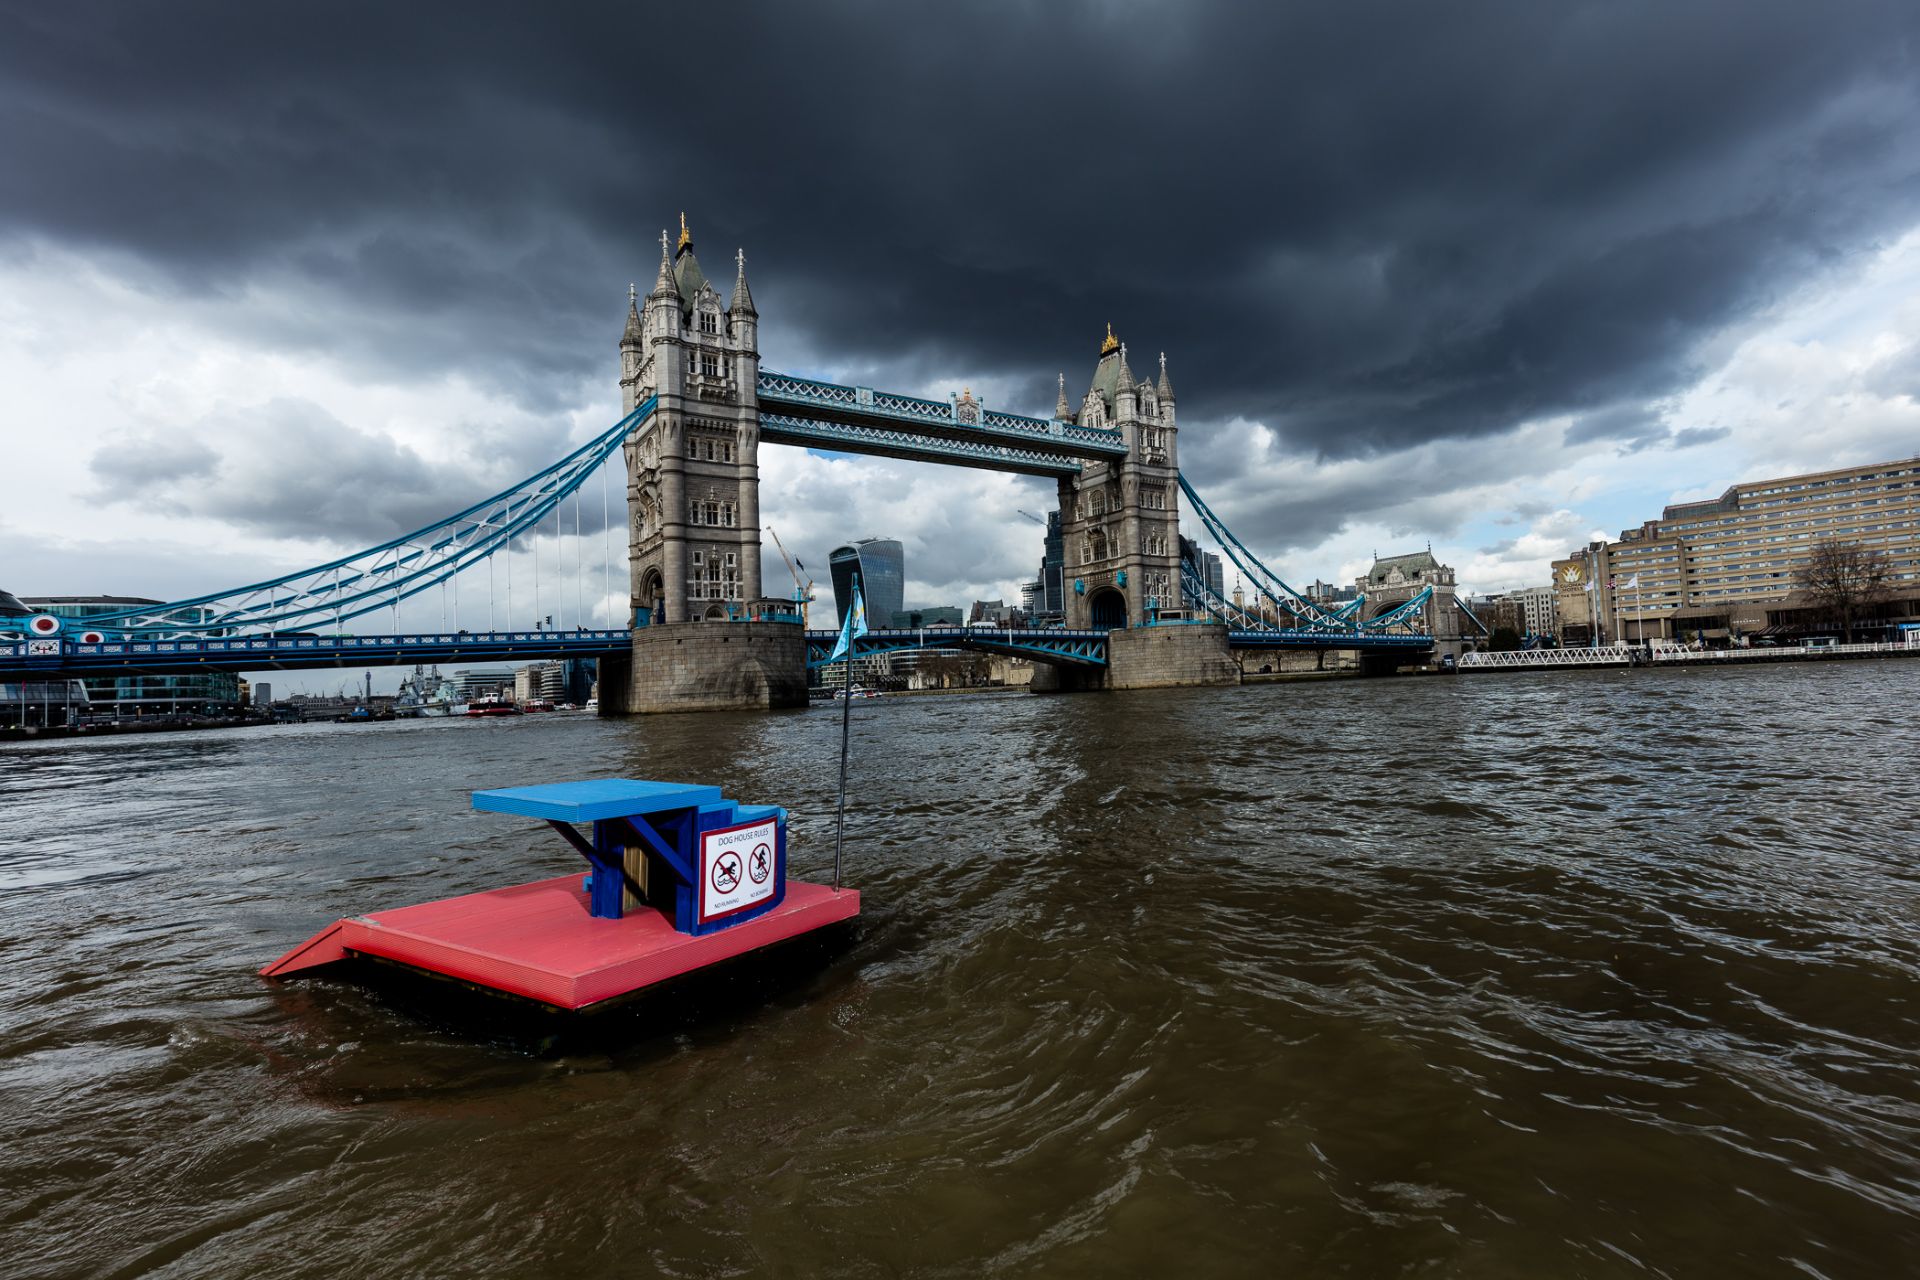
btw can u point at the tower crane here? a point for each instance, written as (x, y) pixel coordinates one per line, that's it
(802, 593)
(1029, 515)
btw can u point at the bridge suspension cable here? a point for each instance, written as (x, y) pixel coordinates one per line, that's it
(1269, 584)
(381, 577)
(1264, 580)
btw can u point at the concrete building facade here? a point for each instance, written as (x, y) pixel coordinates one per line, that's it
(1728, 567)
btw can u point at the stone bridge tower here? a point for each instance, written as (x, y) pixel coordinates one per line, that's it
(1394, 580)
(1120, 520)
(693, 475)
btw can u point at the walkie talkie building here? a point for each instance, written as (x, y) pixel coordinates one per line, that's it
(882, 566)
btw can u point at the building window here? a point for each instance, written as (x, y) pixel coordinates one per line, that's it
(709, 322)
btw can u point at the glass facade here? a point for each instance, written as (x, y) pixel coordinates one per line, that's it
(1052, 600)
(216, 693)
(882, 566)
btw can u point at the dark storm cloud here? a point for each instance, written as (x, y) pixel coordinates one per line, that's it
(289, 468)
(1368, 226)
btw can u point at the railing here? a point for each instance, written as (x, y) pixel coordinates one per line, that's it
(1680, 653)
(1611, 657)
(780, 428)
(1312, 638)
(782, 389)
(41, 650)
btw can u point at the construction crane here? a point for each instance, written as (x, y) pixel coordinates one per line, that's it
(802, 592)
(1029, 515)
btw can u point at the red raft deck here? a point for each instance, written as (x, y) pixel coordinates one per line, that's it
(537, 940)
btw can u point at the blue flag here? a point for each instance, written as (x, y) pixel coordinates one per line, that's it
(854, 626)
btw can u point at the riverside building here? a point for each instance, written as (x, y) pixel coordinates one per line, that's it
(1726, 568)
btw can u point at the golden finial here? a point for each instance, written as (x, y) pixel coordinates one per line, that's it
(1112, 343)
(686, 236)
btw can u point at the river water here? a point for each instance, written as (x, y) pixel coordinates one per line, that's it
(1570, 974)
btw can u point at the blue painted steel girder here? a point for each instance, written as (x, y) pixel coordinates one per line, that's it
(1073, 648)
(1303, 639)
(892, 442)
(69, 659)
(863, 407)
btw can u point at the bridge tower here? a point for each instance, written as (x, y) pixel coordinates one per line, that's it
(693, 474)
(1120, 521)
(1394, 580)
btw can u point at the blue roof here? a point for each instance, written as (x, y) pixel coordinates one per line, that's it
(594, 799)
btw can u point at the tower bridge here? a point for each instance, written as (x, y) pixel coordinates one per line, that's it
(696, 409)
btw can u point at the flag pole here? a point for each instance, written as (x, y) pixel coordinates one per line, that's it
(846, 721)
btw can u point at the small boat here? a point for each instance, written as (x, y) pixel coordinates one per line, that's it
(492, 707)
(537, 704)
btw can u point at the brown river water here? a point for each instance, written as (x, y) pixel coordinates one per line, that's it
(1570, 974)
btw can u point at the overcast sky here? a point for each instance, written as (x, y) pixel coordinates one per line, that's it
(279, 281)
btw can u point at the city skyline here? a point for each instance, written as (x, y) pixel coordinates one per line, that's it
(263, 373)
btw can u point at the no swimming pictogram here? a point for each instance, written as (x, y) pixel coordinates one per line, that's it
(737, 867)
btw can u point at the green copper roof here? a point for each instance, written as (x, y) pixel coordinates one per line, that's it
(687, 275)
(1106, 377)
(1408, 565)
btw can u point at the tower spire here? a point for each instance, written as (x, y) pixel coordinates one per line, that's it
(1061, 410)
(1166, 384)
(663, 285)
(742, 296)
(686, 236)
(1112, 343)
(631, 336)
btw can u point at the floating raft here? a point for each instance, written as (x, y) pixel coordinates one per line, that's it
(682, 879)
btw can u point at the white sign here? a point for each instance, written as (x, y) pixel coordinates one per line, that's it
(43, 648)
(737, 868)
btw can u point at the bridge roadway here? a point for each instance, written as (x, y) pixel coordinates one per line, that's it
(1089, 648)
(66, 658)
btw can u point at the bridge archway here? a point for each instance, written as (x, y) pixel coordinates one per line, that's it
(653, 592)
(1107, 609)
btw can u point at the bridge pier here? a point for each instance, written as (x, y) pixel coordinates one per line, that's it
(1063, 678)
(708, 666)
(1170, 656)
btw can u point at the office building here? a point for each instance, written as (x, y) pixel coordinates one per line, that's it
(1051, 602)
(1727, 567)
(940, 615)
(213, 693)
(881, 564)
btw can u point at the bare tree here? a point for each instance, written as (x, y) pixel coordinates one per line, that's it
(1841, 577)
